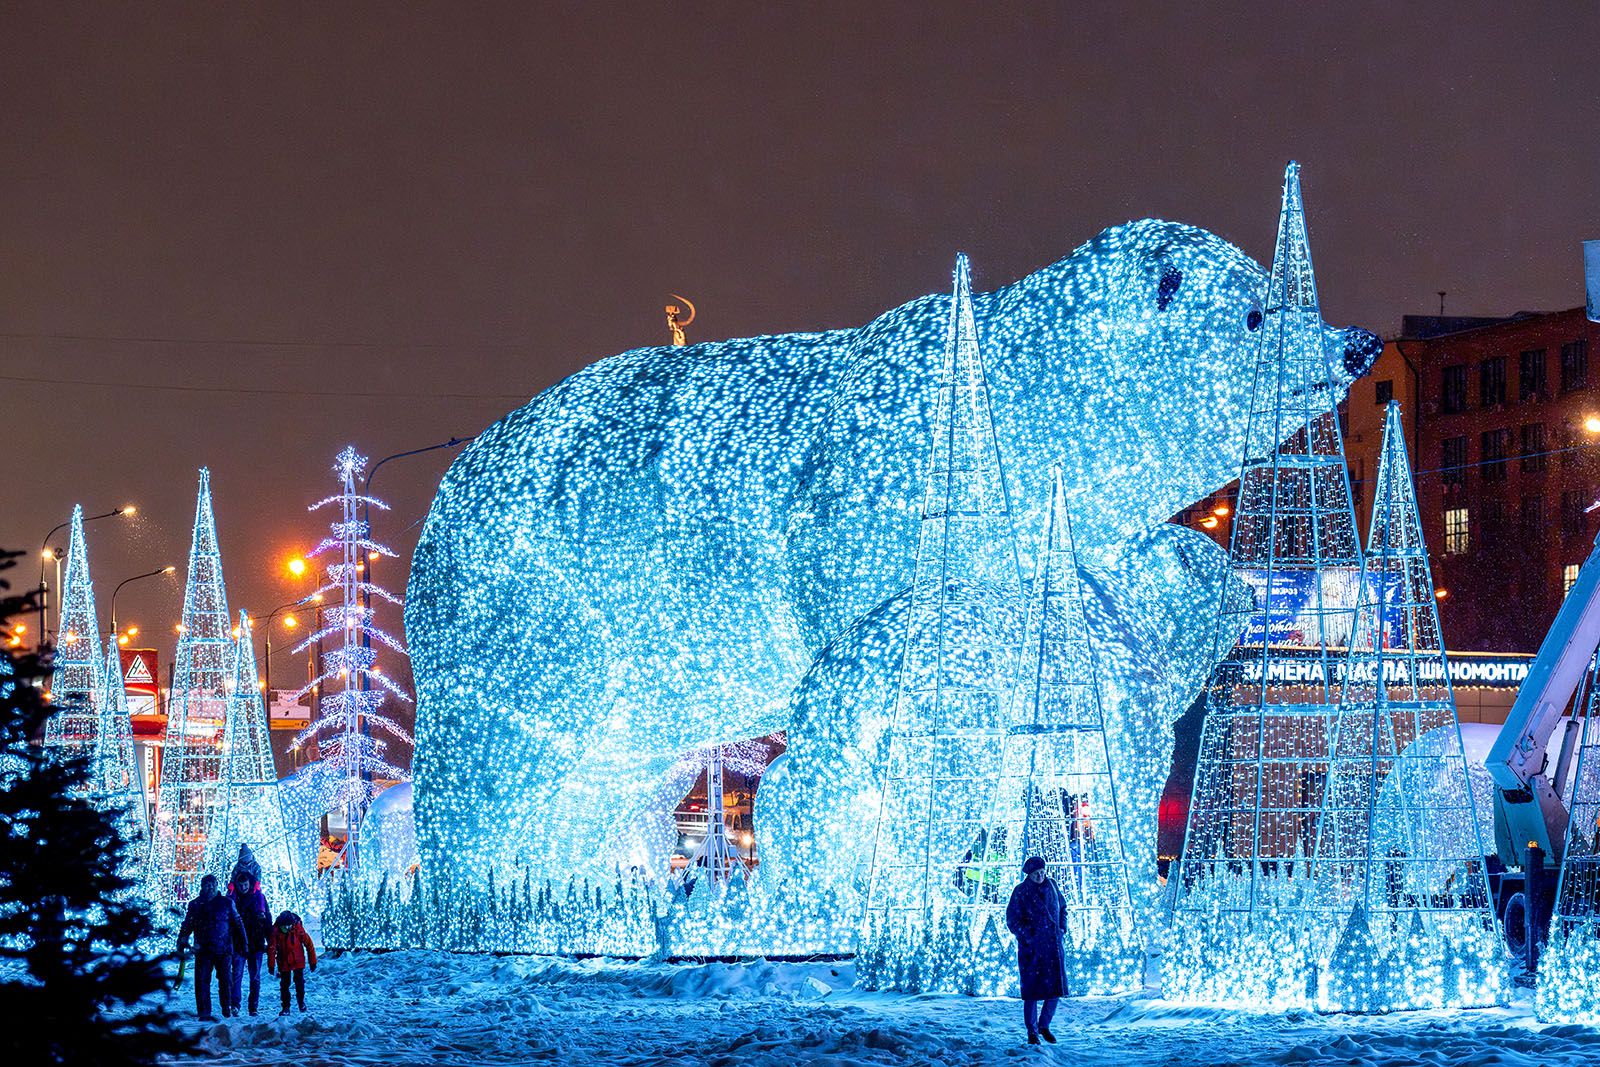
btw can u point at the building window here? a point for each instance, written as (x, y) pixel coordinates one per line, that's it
(1453, 395)
(1574, 366)
(1492, 382)
(1534, 452)
(1496, 446)
(1572, 505)
(1385, 390)
(1569, 578)
(1530, 375)
(1568, 444)
(1455, 531)
(1532, 515)
(1453, 460)
(1492, 523)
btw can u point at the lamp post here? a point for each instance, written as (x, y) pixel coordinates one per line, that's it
(147, 574)
(48, 553)
(267, 628)
(366, 519)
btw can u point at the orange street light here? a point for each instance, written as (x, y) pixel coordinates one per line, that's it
(1440, 594)
(290, 622)
(1592, 424)
(297, 566)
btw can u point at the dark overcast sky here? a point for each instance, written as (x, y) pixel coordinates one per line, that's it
(461, 204)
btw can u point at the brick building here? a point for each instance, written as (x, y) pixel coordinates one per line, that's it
(1502, 420)
(1503, 423)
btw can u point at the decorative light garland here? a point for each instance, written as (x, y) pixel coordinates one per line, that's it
(350, 723)
(197, 713)
(76, 686)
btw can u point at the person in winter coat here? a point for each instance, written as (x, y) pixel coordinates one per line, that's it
(246, 867)
(1037, 916)
(251, 903)
(218, 934)
(287, 951)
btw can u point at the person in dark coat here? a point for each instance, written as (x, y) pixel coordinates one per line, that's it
(251, 903)
(1037, 916)
(218, 934)
(287, 951)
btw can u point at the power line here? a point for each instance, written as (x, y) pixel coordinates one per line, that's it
(340, 394)
(257, 343)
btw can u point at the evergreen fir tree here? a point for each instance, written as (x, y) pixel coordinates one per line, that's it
(75, 979)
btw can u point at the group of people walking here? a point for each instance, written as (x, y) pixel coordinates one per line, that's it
(232, 931)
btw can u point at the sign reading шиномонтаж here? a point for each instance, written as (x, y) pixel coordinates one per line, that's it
(1293, 666)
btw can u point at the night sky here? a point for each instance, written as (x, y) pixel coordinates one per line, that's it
(244, 236)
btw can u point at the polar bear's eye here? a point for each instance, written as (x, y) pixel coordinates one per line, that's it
(1252, 321)
(1171, 278)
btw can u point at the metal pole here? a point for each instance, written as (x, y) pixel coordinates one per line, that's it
(46, 552)
(125, 581)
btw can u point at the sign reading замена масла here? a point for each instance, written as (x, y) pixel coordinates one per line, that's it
(1294, 666)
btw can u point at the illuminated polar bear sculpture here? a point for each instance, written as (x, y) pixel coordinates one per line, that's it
(677, 547)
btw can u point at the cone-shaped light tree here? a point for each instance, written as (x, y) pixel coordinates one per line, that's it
(248, 811)
(1272, 701)
(114, 773)
(76, 686)
(352, 728)
(1055, 796)
(1398, 843)
(957, 671)
(197, 713)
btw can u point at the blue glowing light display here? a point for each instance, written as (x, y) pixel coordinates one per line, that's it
(689, 546)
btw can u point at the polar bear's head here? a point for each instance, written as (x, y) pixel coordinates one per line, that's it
(1133, 362)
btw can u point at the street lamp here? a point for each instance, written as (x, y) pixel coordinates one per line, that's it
(289, 622)
(148, 574)
(48, 553)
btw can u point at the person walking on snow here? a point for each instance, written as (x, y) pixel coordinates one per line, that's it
(218, 934)
(287, 951)
(1037, 916)
(254, 912)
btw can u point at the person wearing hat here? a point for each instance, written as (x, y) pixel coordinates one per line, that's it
(1037, 918)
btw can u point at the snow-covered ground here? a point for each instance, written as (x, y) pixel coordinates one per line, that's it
(402, 1008)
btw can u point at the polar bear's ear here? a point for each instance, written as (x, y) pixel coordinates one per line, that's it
(1171, 279)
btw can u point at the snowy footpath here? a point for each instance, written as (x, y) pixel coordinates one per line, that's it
(402, 1008)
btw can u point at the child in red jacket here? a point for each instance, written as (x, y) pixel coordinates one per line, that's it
(287, 950)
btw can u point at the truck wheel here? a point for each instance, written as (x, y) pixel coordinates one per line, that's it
(1516, 925)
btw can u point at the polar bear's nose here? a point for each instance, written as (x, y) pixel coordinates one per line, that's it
(1361, 348)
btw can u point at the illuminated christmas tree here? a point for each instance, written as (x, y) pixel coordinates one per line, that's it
(1398, 832)
(1271, 703)
(247, 809)
(352, 685)
(114, 777)
(1055, 797)
(76, 686)
(956, 675)
(197, 712)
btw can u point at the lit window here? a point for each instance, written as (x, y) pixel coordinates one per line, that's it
(1455, 531)
(1569, 575)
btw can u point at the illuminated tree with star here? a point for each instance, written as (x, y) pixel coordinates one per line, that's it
(352, 728)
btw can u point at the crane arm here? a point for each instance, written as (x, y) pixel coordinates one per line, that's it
(1518, 754)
